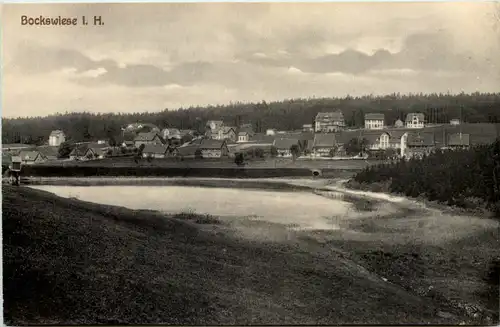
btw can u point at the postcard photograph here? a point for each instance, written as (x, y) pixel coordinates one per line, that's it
(250, 163)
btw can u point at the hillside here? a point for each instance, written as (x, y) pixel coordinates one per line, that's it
(282, 115)
(71, 262)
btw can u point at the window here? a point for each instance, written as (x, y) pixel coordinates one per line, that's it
(384, 141)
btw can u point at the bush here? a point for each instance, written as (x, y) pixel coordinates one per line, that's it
(239, 159)
(465, 178)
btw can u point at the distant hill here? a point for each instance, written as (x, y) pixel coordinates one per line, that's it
(282, 115)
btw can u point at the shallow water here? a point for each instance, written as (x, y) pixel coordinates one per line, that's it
(302, 209)
(388, 219)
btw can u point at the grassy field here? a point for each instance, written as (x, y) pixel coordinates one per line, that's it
(72, 262)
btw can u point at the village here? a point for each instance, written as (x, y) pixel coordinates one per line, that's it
(327, 138)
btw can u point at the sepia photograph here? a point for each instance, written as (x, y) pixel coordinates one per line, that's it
(250, 163)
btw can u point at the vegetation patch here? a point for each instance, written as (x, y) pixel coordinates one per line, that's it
(466, 178)
(197, 218)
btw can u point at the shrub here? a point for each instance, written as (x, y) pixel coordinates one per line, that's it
(465, 178)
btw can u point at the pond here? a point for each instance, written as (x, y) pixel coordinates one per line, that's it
(303, 209)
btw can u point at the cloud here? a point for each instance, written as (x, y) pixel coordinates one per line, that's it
(169, 55)
(420, 52)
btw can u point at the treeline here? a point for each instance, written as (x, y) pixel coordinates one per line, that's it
(468, 178)
(283, 115)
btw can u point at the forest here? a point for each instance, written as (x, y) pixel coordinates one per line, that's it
(467, 178)
(283, 115)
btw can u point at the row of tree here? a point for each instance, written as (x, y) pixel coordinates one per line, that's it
(282, 115)
(465, 178)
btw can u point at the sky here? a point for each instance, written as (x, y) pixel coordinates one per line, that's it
(151, 57)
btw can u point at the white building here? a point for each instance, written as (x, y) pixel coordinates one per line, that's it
(415, 120)
(329, 121)
(374, 121)
(455, 121)
(243, 137)
(56, 138)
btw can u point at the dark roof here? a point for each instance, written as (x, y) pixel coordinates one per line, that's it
(324, 140)
(420, 139)
(305, 136)
(327, 116)
(479, 133)
(262, 138)
(458, 139)
(248, 130)
(188, 150)
(242, 133)
(211, 144)
(79, 150)
(227, 129)
(148, 136)
(282, 143)
(29, 155)
(48, 151)
(154, 148)
(374, 116)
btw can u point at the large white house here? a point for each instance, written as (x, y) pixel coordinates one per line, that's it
(329, 121)
(415, 120)
(56, 138)
(374, 121)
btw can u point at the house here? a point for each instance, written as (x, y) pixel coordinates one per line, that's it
(56, 138)
(458, 140)
(271, 131)
(383, 140)
(243, 137)
(89, 151)
(226, 133)
(329, 121)
(155, 151)
(374, 121)
(96, 151)
(31, 157)
(283, 146)
(455, 122)
(213, 127)
(186, 152)
(78, 152)
(213, 148)
(262, 139)
(169, 133)
(49, 152)
(399, 124)
(307, 128)
(324, 145)
(148, 138)
(418, 144)
(415, 120)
